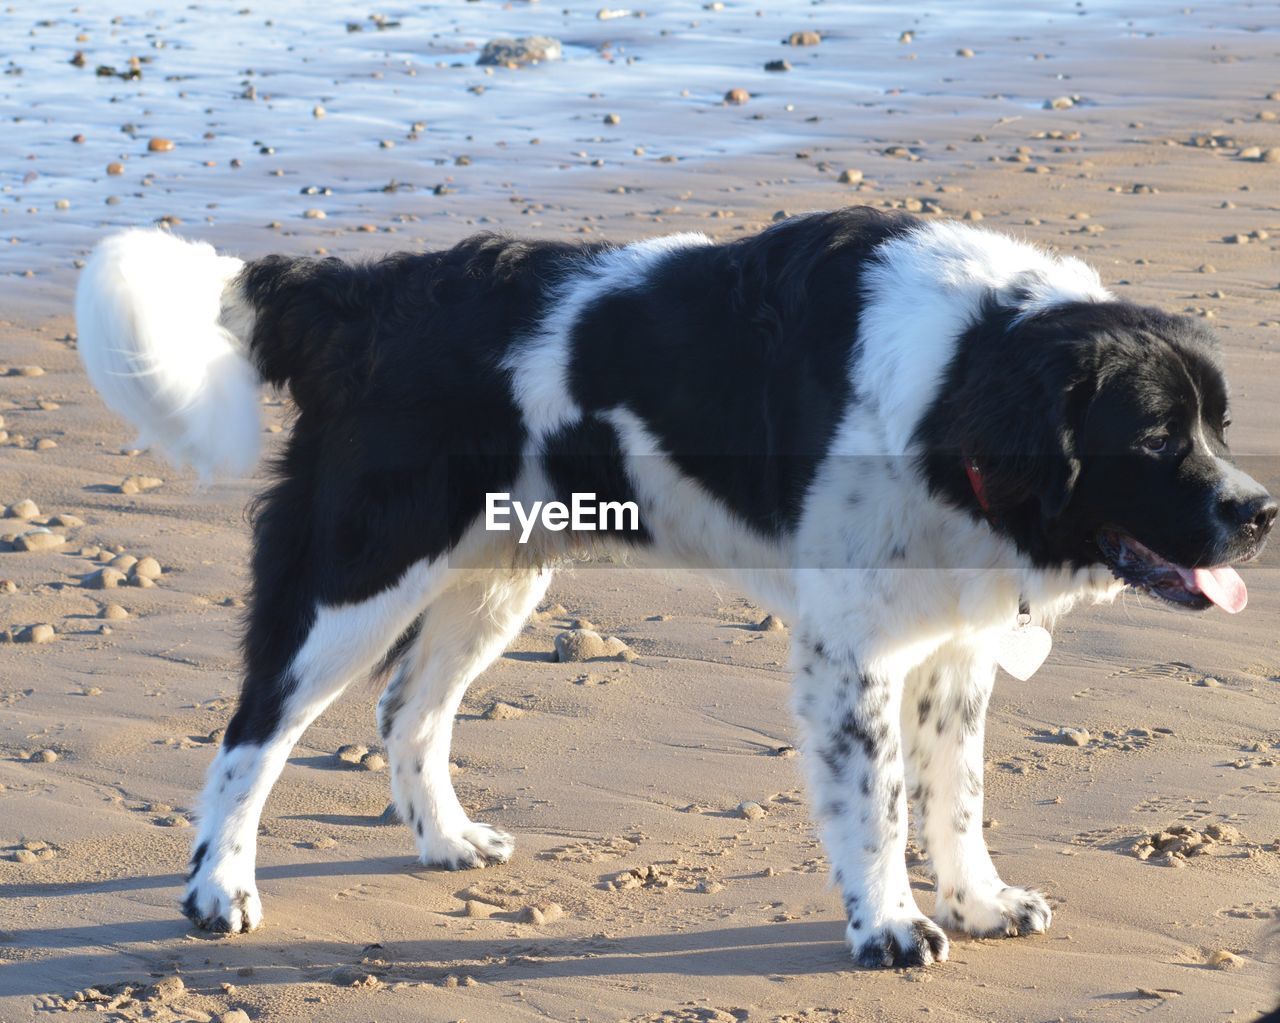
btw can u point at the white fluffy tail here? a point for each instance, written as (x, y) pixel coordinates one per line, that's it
(165, 340)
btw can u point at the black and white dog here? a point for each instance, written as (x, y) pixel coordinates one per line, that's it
(902, 436)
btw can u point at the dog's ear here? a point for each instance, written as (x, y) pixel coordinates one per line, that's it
(1021, 406)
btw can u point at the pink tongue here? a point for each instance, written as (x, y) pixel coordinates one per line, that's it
(1223, 586)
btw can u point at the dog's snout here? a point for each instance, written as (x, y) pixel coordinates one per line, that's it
(1255, 515)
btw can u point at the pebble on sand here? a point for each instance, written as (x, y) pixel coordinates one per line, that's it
(777, 65)
(850, 177)
(499, 711)
(139, 484)
(373, 762)
(46, 756)
(233, 1016)
(524, 50)
(608, 119)
(750, 810)
(38, 634)
(66, 521)
(104, 579)
(24, 509)
(737, 97)
(352, 754)
(147, 568)
(1073, 736)
(541, 913)
(479, 910)
(589, 645)
(39, 540)
(1059, 103)
(770, 623)
(160, 145)
(804, 38)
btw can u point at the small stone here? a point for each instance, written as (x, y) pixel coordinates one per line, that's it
(1208, 682)
(777, 65)
(314, 214)
(104, 579)
(737, 97)
(1237, 239)
(541, 913)
(579, 645)
(964, 52)
(160, 145)
(173, 820)
(1059, 103)
(785, 752)
(8, 586)
(233, 1015)
(38, 634)
(1073, 736)
(709, 887)
(1251, 153)
(39, 540)
(139, 484)
(805, 38)
(25, 856)
(351, 754)
(770, 623)
(479, 910)
(750, 810)
(26, 371)
(373, 762)
(46, 756)
(318, 111)
(123, 562)
(147, 568)
(850, 176)
(524, 50)
(24, 509)
(611, 119)
(973, 214)
(1224, 960)
(141, 581)
(323, 843)
(1270, 155)
(499, 711)
(66, 521)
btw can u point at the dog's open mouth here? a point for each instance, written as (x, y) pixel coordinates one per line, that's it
(1193, 588)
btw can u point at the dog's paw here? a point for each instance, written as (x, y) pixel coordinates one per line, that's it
(221, 907)
(1001, 913)
(905, 941)
(474, 845)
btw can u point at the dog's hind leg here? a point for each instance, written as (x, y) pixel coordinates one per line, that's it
(340, 644)
(463, 631)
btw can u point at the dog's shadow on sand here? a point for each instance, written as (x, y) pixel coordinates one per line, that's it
(99, 953)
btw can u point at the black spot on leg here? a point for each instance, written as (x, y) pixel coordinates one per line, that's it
(865, 785)
(418, 765)
(924, 708)
(197, 859)
(899, 553)
(959, 896)
(421, 829)
(835, 808)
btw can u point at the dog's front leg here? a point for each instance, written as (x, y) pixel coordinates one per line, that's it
(852, 745)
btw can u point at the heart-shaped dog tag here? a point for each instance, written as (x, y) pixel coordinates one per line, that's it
(1021, 651)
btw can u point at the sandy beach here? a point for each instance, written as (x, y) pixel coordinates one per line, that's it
(1144, 138)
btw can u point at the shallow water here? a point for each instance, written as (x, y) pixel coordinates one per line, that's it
(235, 92)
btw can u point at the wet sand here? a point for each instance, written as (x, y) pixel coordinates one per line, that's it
(615, 766)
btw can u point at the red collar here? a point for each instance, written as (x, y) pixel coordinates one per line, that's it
(978, 484)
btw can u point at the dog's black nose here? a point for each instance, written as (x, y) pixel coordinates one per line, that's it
(1257, 514)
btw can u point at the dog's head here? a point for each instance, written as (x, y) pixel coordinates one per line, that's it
(1096, 432)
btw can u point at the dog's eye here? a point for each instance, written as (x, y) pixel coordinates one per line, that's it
(1156, 445)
